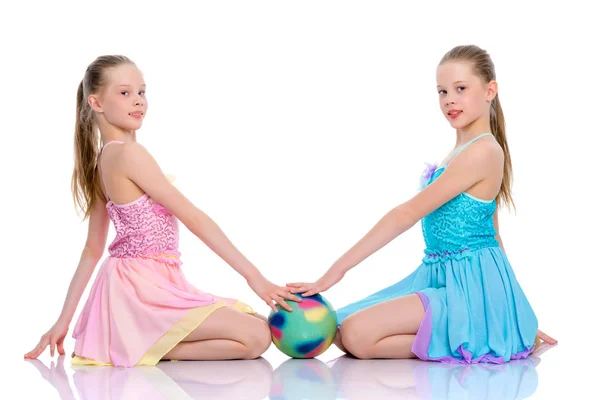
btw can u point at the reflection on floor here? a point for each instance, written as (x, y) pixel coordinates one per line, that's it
(342, 378)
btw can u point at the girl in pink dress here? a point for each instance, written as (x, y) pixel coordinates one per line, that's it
(140, 308)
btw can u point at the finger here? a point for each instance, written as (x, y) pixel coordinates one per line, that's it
(61, 349)
(271, 305)
(283, 290)
(282, 303)
(296, 284)
(33, 354)
(40, 347)
(291, 297)
(28, 355)
(60, 346)
(52, 344)
(44, 341)
(310, 292)
(36, 348)
(300, 289)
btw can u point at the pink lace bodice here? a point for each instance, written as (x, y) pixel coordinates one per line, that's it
(145, 229)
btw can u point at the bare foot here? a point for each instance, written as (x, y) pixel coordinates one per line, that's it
(543, 337)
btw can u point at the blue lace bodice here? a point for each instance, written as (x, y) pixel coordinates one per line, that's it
(459, 227)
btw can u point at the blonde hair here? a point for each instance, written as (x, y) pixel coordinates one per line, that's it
(484, 67)
(85, 182)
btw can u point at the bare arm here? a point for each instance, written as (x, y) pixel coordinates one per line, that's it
(482, 160)
(91, 254)
(459, 176)
(143, 170)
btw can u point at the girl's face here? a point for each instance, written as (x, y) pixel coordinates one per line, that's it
(122, 101)
(464, 98)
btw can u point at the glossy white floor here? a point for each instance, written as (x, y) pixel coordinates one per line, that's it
(549, 372)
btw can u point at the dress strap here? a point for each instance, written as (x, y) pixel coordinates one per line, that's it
(111, 142)
(99, 158)
(461, 148)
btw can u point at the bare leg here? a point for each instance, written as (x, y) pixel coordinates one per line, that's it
(385, 330)
(260, 316)
(226, 334)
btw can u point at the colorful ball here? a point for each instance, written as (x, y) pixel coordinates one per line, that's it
(307, 331)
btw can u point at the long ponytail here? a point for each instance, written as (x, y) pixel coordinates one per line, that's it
(85, 182)
(499, 131)
(484, 67)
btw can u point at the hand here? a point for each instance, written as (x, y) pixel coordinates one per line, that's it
(542, 336)
(53, 338)
(308, 289)
(270, 292)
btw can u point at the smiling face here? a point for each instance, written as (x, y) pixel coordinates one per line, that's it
(122, 101)
(464, 97)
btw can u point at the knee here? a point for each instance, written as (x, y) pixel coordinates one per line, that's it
(259, 340)
(355, 339)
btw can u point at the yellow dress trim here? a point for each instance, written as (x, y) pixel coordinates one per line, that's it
(176, 334)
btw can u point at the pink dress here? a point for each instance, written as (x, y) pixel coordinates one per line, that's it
(140, 305)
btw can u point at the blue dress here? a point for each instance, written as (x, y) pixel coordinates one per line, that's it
(475, 310)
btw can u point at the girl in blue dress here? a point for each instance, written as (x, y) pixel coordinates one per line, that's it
(463, 304)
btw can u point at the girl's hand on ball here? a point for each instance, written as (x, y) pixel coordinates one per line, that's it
(309, 289)
(271, 293)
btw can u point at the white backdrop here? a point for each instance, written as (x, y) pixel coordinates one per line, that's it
(296, 126)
